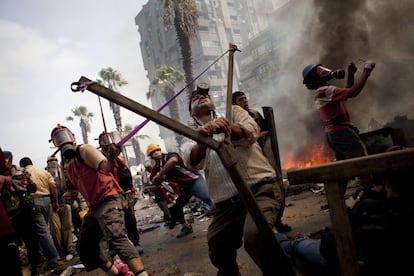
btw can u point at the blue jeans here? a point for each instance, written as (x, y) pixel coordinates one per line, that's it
(41, 215)
(307, 249)
(198, 189)
(346, 144)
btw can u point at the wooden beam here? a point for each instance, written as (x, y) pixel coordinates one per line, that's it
(226, 153)
(334, 176)
(341, 226)
(350, 168)
(270, 121)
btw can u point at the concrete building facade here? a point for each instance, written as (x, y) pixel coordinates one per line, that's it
(220, 24)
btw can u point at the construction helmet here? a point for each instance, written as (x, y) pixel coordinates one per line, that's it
(313, 73)
(306, 71)
(151, 148)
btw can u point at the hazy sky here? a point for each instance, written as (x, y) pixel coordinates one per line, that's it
(46, 45)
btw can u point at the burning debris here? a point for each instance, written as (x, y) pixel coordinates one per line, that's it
(316, 155)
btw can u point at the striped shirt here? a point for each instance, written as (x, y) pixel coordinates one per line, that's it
(253, 165)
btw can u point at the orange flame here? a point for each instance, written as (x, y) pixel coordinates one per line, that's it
(318, 154)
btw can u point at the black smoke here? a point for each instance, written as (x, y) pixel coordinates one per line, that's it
(336, 33)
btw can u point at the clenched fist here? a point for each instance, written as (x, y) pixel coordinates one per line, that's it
(221, 125)
(113, 151)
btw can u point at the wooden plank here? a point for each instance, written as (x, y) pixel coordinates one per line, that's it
(227, 155)
(270, 121)
(334, 176)
(350, 168)
(338, 212)
(146, 112)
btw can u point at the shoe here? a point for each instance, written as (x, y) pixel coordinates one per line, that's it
(283, 228)
(122, 267)
(317, 188)
(172, 224)
(185, 231)
(139, 249)
(70, 254)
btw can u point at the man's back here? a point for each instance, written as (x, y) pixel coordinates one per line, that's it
(95, 184)
(259, 119)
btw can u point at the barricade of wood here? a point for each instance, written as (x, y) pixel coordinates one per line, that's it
(334, 176)
(224, 150)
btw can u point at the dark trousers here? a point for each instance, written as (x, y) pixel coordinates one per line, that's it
(232, 226)
(10, 256)
(23, 224)
(177, 212)
(162, 204)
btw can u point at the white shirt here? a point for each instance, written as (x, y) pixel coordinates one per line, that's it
(253, 165)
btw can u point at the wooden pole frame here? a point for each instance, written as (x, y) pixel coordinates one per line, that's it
(334, 176)
(224, 150)
(232, 49)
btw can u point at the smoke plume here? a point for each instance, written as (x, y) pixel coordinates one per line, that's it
(335, 33)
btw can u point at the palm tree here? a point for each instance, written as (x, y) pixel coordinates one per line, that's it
(185, 19)
(85, 120)
(139, 155)
(113, 80)
(166, 79)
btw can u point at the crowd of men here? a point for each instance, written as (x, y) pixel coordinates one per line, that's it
(90, 194)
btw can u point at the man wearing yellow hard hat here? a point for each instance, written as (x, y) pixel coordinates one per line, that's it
(170, 167)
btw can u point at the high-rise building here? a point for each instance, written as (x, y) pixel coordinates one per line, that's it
(220, 24)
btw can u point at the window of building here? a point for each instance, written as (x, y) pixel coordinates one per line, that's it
(203, 29)
(210, 44)
(230, 4)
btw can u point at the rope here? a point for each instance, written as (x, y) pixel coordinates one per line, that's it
(81, 86)
(134, 131)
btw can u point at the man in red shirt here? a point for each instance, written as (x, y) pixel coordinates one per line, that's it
(124, 177)
(89, 172)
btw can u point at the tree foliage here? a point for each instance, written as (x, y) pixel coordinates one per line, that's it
(183, 14)
(85, 119)
(166, 80)
(113, 80)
